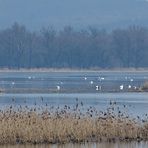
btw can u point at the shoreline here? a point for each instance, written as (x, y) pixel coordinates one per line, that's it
(54, 91)
(75, 70)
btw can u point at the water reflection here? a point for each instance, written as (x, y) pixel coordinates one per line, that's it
(87, 145)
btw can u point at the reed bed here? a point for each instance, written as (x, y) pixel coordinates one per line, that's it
(145, 86)
(48, 124)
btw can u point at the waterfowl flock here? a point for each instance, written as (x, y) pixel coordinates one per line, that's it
(87, 83)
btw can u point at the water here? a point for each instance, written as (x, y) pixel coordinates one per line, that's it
(87, 145)
(136, 103)
(26, 87)
(70, 82)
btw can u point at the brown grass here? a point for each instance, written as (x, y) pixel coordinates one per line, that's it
(145, 86)
(68, 124)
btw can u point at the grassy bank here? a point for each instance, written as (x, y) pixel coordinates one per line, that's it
(69, 124)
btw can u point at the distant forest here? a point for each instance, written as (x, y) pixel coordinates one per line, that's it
(71, 48)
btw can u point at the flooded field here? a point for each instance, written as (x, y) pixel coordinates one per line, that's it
(62, 88)
(72, 82)
(95, 90)
(132, 103)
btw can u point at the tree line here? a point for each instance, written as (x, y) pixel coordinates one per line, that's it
(70, 48)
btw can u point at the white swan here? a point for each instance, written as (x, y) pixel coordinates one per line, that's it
(58, 87)
(121, 87)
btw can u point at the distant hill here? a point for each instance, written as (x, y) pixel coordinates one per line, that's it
(79, 13)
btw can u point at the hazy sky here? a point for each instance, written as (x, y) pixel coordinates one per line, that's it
(101, 13)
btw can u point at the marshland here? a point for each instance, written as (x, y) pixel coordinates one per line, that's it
(74, 74)
(76, 124)
(72, 109)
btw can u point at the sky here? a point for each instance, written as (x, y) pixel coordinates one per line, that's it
(107, 14)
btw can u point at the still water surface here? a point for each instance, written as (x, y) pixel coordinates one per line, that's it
(88, 145)
(64, 87)
(83, 82)
(136, 103)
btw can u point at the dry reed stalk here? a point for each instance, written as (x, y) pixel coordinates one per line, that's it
(67, 125)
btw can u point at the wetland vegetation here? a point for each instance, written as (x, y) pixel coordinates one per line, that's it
(49, 124)
(73, 85)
